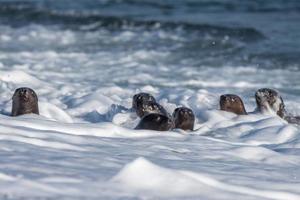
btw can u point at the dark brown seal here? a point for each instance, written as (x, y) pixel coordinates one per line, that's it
(184, 118)
(155, 121)
(232, 103)
(144, 103)
(141, 98)
(150, 107)
(25, 101)
(268, 99)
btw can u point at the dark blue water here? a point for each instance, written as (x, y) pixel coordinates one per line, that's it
(262, 33)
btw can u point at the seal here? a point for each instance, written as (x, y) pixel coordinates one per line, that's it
(156, 122)
(269, 100)
(232, 103)
(25, 101)
(141, 98)
(184, 118)
(150, 107)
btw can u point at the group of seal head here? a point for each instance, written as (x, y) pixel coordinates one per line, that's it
(267, 100)
(155, 117)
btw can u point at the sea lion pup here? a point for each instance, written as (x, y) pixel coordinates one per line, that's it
(232, 103)
(141, 98)
(270, 100)
(156, 122)
(25, 101)
(184, 118)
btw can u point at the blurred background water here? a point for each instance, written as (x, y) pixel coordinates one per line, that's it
(218, 45)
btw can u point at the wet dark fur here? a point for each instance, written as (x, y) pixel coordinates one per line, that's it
(144, 103)
(184, 118)
(270, 95)
(150, 107)
(155, 121)
(25, 101)
(141, 98)
(232, 103)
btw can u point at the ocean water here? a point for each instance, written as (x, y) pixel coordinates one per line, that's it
(87, 58)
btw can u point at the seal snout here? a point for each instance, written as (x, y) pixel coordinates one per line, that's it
(185, 113)
(24, 94)
(223, 98)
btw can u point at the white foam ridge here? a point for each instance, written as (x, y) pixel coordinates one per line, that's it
(83, 140)
(83, 145)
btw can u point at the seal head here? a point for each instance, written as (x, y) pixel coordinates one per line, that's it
(25, 101)
(232, 103)
(141, 98)
(269, 100)
(156, 122)
(150, 107)
(184, 118)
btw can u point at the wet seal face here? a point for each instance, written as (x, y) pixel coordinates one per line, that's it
(141, 98)
(184, 118)
(156, 122)
(25, 101)
(150, 107)
(232, 103)
(269, 100)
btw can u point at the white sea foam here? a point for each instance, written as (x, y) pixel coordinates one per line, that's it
(83, 145)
